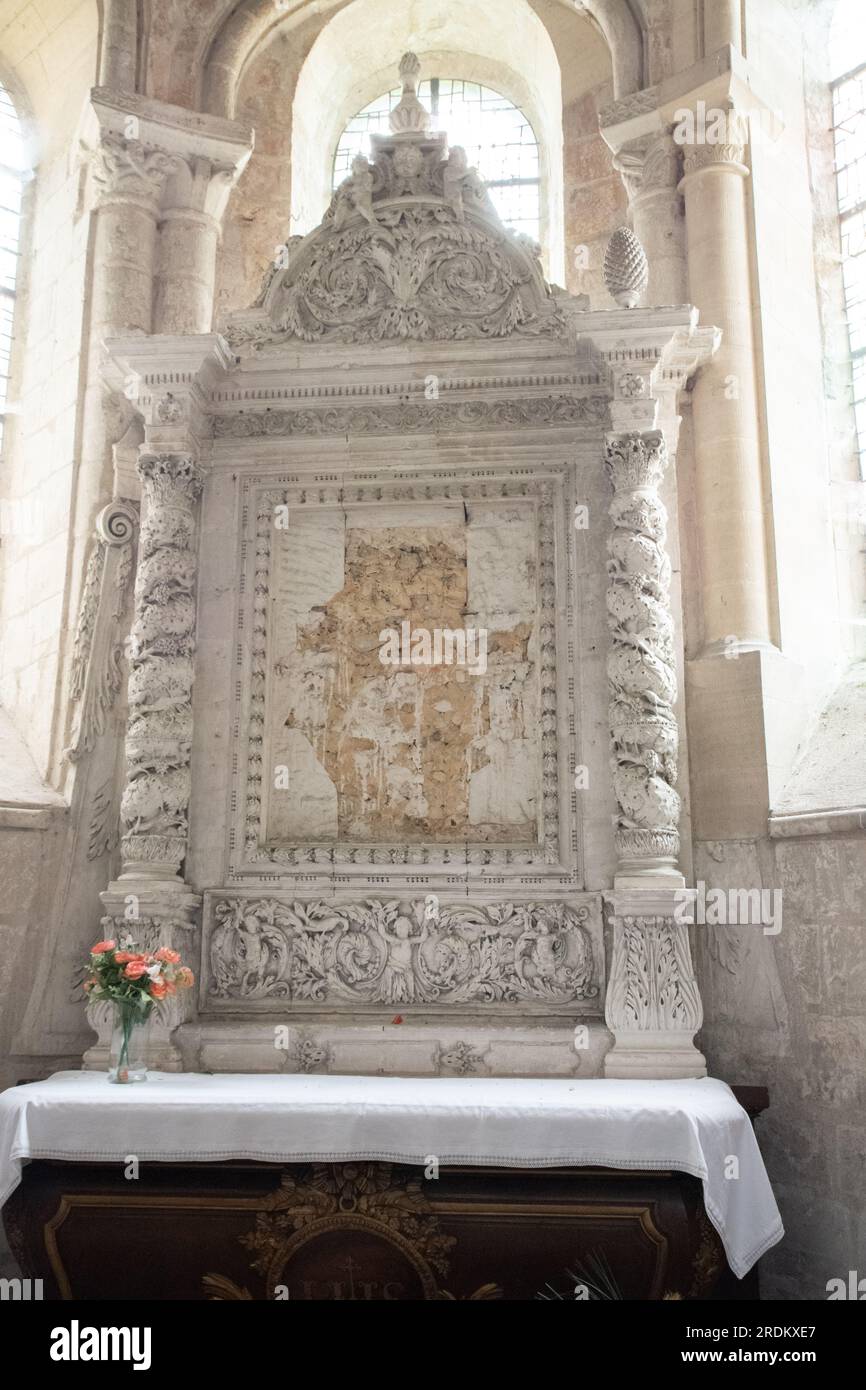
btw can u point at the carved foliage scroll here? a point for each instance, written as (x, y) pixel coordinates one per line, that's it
(264, 953)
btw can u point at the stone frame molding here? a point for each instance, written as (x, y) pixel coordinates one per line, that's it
(549, 491)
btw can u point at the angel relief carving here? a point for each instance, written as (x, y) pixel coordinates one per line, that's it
(390, 953)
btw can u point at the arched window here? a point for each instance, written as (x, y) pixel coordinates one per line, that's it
(848, 54)
(12, 170)
(495, 134)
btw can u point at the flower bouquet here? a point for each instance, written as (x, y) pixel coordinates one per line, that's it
(134, 982)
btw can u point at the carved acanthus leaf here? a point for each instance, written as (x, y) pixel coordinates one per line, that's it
(652, 986)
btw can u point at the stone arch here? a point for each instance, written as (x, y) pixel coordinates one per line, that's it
(238, 34)
(450, 42)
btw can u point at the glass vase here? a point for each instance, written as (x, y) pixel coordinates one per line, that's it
(127, 1060)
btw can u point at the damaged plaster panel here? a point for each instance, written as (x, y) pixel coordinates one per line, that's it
(374, 751)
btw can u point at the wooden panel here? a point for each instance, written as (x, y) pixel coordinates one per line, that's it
(363, 1231)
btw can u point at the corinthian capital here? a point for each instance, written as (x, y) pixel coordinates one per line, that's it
(714, 138)
(169, 477)
(129, 169)
(649, 165)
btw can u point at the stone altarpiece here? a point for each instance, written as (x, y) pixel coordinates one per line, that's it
(423, 867)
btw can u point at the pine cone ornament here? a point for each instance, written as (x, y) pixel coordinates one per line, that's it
(625, 268)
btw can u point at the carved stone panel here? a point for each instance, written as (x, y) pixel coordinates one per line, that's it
(269, 954)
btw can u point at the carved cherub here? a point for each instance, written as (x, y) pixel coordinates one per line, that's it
(398, 977)
(460, 182)
(538, 955)
(355, 194)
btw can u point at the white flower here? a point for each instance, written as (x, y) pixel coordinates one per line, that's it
(154, 970)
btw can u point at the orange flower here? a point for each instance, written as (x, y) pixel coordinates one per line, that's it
(165, 953)
(122, 957)
(184, 977)
(101, 947)
(135, 970)
(158, 989)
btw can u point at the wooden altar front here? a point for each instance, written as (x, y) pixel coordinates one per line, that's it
(365, 1232)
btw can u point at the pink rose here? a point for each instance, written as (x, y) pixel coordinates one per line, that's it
(135, 970)
(101, 947)
(165, 953)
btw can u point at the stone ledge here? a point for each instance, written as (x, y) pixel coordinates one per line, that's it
(13, 817)
(838, 821)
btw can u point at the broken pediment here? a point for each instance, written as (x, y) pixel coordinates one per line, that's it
(411, 247)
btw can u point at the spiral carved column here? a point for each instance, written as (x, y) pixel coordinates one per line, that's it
(149, 902)
(156, 799)
(653, 1005)
(641, 664)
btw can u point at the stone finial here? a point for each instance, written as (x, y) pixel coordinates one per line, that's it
(626, 272)
(409, 117)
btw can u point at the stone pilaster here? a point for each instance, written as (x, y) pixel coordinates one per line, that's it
(641, 664)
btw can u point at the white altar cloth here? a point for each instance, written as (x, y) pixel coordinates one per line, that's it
(693, 1126)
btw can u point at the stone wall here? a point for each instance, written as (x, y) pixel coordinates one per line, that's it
(788, 1011)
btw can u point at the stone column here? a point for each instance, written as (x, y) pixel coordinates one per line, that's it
(149, 901)
(189, 236)
(650, 170)
(159, 734)
(653, 1006)
(129, 179)
(728, 464)
(118, 51)
(722, 25)
(641, 664)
